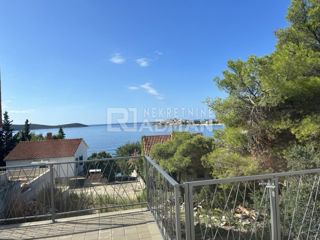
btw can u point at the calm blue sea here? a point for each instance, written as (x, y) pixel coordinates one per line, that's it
(109, 137)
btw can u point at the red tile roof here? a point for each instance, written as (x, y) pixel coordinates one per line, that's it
(44, 149)
(149, 141)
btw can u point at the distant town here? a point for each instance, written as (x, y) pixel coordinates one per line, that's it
(176, 121)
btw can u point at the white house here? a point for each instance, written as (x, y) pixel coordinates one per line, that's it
(57, 151)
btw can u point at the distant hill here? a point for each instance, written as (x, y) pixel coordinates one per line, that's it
(18, 127)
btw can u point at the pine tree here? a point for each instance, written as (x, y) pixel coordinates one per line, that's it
(272, 109)
(25, 133)
(8, 141)
(61, 134)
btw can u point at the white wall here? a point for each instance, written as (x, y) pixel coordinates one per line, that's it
(36, 185)
(11, 163)
(81, 151)
(63, 170)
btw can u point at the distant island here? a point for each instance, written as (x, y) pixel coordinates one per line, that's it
(18, 127)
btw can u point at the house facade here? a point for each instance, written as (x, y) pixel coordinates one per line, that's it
(59, 151)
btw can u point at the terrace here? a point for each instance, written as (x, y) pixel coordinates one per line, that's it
(133, 198)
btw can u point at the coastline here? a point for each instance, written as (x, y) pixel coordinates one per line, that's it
(18, 127)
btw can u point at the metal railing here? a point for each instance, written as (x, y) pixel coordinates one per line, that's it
(52, 190)
(163, 197)
(272, 206)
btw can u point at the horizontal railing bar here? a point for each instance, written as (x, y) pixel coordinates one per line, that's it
(70, 212)
(26, 218)
(36, 164)
(102, 208)
(162, 172)
(253, 177)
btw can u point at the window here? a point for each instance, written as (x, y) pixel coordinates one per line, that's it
(77, 163)
(81, 159)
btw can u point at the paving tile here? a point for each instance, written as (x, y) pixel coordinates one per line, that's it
(91, 237)
(144, 234)
(120, 225)
(67, 237)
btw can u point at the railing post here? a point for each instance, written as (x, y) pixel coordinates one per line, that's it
(147, 183)
(53, 213)
(188, 199)
(177, 210)
(273, 187)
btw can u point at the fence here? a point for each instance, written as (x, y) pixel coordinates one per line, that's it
(163, 197)
(273, 206)
(51, 190)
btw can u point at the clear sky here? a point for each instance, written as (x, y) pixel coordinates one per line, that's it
(68, 61)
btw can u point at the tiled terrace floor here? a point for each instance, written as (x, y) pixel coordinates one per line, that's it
(124, 225)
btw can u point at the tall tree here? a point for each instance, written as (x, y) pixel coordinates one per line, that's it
(129, 149)
(8, 141)
(25, 133)
(61, 134)
(182, 155)
(273, 103)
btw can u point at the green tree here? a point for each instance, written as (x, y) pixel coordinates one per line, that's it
(127, 166)
(8, 140)
(37, 137)
(273, 101)
(223, 163)
(61, 134)
(181, 156)
(109, 168)
(25, 134)
(129, 149)
(190, 154)
(163, 153)
(100, 155)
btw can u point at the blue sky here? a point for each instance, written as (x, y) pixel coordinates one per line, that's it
(69, 61)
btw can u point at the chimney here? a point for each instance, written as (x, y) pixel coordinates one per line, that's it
(49, 136)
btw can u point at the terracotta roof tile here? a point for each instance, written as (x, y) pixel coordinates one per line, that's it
(44, 149)
(149, 141)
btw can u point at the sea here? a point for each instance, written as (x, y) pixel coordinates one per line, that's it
(108, 137)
